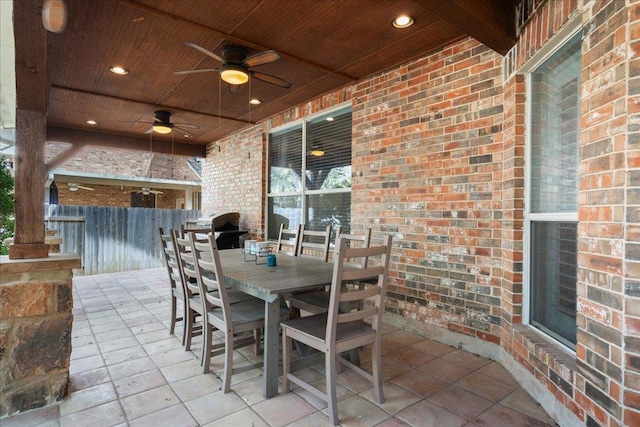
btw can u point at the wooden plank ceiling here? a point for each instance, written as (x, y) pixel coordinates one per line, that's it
(323, 44)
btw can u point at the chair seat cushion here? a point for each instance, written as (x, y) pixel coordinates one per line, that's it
(316, 327)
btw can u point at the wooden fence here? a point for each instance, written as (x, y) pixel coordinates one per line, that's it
(114, 239)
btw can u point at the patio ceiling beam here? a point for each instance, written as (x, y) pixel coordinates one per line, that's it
(81, 138)
(31, 121)
(490, 22)
(74, 91)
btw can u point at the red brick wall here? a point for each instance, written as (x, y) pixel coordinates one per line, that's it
(427, 167)
(120, 164)
(439, 161)
(113, 196)
(124, 163)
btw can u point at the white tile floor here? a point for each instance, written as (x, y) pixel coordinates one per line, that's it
(127, 370)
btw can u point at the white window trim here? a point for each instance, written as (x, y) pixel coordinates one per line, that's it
(303, 193)
(550, 48)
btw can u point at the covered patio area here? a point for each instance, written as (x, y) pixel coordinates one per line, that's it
(127, 370)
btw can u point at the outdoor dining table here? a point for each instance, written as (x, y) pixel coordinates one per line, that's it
(269, 284)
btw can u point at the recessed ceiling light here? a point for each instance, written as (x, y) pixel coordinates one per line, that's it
(91, 122)
(330, 119)
(255, 101)
(187, 136)
(402, 21)
(119, 70)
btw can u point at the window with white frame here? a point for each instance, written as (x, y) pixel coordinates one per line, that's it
(310, 174)
(551, 216)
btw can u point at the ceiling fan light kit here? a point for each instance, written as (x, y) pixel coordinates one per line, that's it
(233, 74)
(161, 128)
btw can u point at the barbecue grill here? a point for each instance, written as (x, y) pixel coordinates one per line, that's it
(225, 226)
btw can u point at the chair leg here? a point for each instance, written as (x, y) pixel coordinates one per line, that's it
(256, 337)
(207, 338)
(184, 322)
(376, 361)
(286, 362)
(189, 320)
(228, 361)
(174, 309)
(330, 368)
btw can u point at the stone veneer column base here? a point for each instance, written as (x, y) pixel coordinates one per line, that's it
(36, 304)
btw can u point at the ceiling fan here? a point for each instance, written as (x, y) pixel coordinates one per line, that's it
(146, 191)
(162, 124)
(237, 67)
(74, 186)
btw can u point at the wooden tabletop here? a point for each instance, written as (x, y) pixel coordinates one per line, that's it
(290, 274)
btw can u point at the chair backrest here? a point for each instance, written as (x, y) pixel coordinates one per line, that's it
(186, 263)
(289, 240)
(209, 275)
(170, 261)
(375, 292)
(355, 241)
(315, 244)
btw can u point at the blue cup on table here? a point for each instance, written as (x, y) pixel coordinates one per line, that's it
(271, 260)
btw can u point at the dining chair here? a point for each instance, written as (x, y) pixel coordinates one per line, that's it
(316, 302)
(175, 282)
(195, 309)
(314, 243)
(335, 332)
(289, 240)
(230, 319)
(193, 305)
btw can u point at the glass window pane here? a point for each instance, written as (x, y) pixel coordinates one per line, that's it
(285, 161)
(329, 209)
(554, 131)
(329, 152)
(285, 210)
(553, 279)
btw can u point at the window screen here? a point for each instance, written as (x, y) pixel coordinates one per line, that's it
(553, 192)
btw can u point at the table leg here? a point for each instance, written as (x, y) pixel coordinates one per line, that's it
(271, 348)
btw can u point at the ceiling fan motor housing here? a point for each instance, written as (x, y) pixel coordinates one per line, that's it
(234, 54)
(162, 116)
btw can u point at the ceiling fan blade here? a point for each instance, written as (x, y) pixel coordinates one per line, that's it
(202, 70)
(86, 188)
(155, 192)
(205, 51)
(187, 125)
(183, 131)
(268, 78)
(261, 58)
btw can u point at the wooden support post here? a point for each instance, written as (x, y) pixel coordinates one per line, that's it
(29, 188)
(31, 99)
